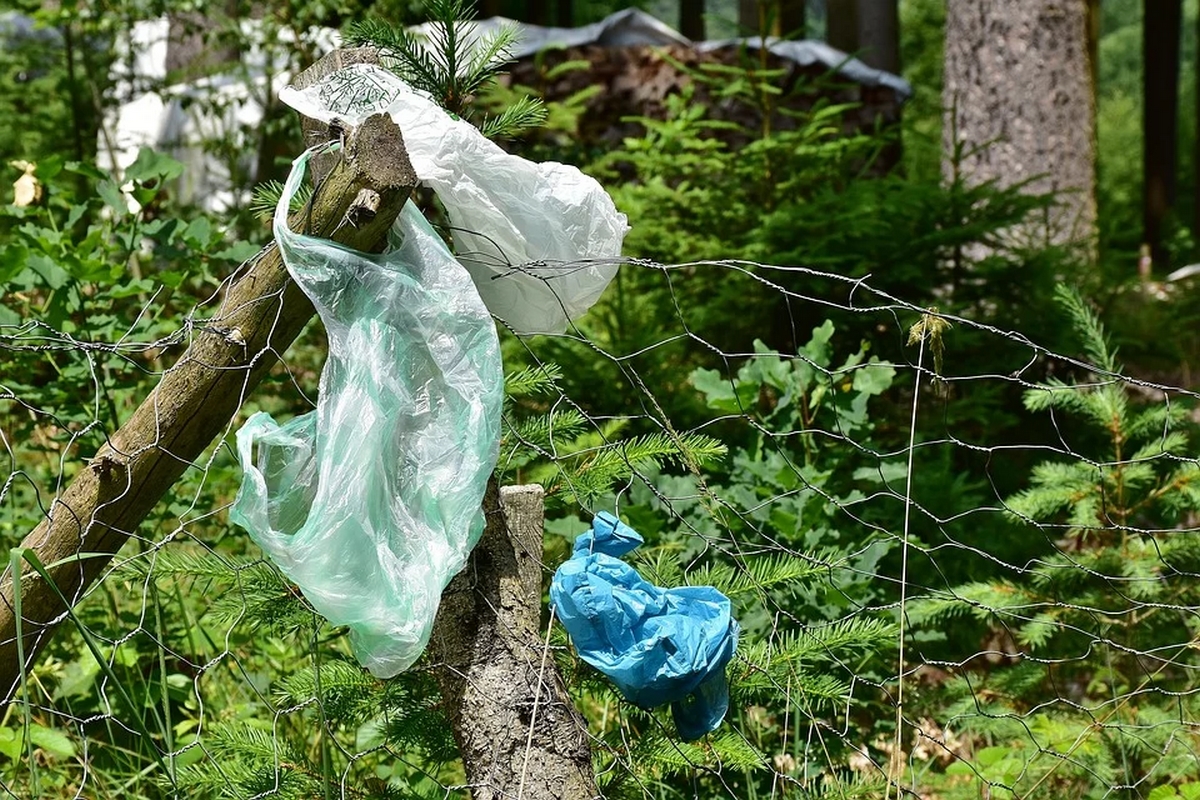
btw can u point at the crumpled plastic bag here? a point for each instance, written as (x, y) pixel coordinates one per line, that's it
(372, 502)
(657, 645)
(541, 241)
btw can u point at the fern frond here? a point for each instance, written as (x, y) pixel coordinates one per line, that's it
(422, 725)
(1087, 326)
(655, 753)
(450, 61)
(346, 691)
(755, 573)
(552, 432)
(265, 199)
(541, 379)
(401, 51)
(1174, 442)
(176, 563)
(525, 114)
(819, 644)
(1055, 394)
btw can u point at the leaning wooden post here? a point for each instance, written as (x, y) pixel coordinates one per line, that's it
(516, 727)
(261, 312)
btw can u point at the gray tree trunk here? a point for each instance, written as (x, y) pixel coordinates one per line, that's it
(691, 19)
(749, 18)
(879, 34)
(841, 25)
(1020, 103)
(199, 43)
(792, 22)
(1162, 24)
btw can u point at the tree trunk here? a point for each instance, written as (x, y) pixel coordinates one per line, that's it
(1019, 88)
(691, 19)
(517, 729)
(1161, 28)
(749, 19)
(841, 25)
(793, 22)
(564, 13)
(261, 313)
(198, 43)
(537, 12)
(879, 34)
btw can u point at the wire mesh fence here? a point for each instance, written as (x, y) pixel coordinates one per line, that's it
(964, 565)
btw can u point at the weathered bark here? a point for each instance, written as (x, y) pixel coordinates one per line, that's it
(261, 313)
(841, 25)
(1019, 81)
(879, 34)
(516, 727)
(1161, 27)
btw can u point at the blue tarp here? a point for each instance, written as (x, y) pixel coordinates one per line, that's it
(657, 645)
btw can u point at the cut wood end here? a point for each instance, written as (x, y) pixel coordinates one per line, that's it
(365, 206)
(376, 148)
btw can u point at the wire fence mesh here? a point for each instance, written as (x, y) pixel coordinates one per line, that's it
(964, 565)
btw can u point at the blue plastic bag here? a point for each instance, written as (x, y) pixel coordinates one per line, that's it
(657, 645)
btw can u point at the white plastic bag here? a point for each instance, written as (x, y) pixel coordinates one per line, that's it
(541, 241)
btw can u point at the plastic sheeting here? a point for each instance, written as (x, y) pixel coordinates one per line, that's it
(633, 27)
(184, 120)
(541, 241)
(372, 502)
(657, 645)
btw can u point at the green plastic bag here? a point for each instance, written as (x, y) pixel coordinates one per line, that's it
(372, 502)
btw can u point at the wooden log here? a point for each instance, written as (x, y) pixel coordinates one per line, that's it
(517, 730)
(260, 314)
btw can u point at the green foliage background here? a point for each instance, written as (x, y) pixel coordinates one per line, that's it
(763, 425)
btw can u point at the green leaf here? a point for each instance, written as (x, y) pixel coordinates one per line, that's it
(720, 393)
(199, 233)
(10, 743)
(238, 251)
(13, 258)
(874, 378)
(52, 742)
(54, 276)
(113, 197)
(152, 168)
(1163, 792)
(132, 288)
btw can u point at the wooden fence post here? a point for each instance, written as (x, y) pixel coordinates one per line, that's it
(516, 727)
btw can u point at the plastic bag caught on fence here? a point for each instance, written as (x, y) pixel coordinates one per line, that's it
(373, 502)
(541, 241)
(657, 645)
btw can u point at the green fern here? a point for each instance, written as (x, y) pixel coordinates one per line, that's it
(1117, 577)
(253, 590)
(756, 574)
(578, 459)
(265, 200)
